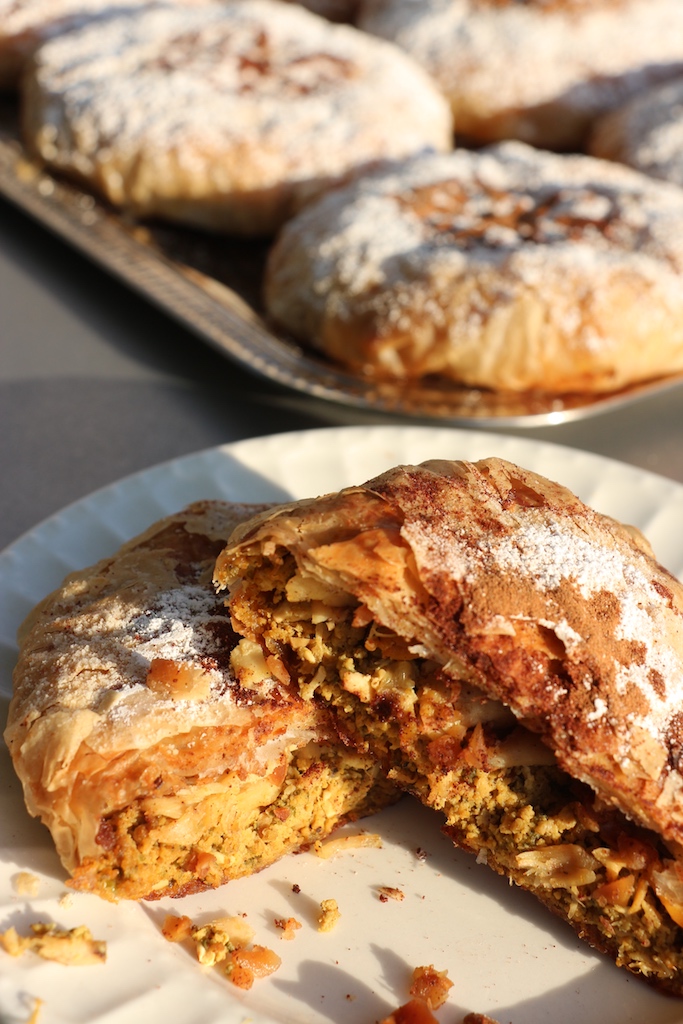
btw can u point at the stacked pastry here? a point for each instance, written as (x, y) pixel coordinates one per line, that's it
(514, 271)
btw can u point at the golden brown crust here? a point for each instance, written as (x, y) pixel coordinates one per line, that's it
(506, 268)
(227, 117)
(646, 133)
(510, 657)
(155, 772)
(553, 609)
(551, 55)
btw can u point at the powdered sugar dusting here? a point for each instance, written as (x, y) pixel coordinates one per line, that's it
(647, 133)
(39, 16)
(548, 554)
(507, 267)
(227, 98)
(585, 58)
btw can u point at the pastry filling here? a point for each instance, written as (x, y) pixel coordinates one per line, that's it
(181, 839)
(439, 737)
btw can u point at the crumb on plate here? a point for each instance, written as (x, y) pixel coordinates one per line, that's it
(331, 847)
(25, 883)
(389, 892)
(431, 985)
(415, 1011)
(225, 941)
(35, 1012)
(288, 925)
(329, 915)
(244, 965)
(74, 947)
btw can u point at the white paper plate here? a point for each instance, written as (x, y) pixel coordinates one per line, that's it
(505, 955)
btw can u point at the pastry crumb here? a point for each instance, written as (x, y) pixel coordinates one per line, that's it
(74, 947)
(431, 985)
(389, 892)
(25, 883)
(245, 965)
(176, 929)
(35, 1012)
(415, 1011)
(288, 925)
(212, 944)
(429, 990)
(226, 941)
(332, 847)
(329, 915)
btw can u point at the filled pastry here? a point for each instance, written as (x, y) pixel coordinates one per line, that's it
(509, 268)
(155, 773)
(225, 116)
(510, 657)
(646, 133)
(26, 24)
(539, 70)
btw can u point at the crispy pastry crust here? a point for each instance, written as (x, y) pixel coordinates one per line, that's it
(25, 24)
(540, 70)
(646, 133)
(156, 774)
(508, 268)
(483, 595)
(554, 609)
(227, 117)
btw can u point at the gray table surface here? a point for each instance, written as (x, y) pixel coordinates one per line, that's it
(95, 384)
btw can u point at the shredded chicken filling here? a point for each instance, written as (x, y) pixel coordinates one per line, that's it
(237, 827)
(503, 796)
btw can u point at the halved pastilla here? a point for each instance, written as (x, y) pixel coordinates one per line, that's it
(156, 773)
(509, 656)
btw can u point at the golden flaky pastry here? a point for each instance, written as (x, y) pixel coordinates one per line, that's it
(646, 133)
(511, 657)
(224, 116)
(155, 773)
(536, 70)
(27, 24)
(509, 268)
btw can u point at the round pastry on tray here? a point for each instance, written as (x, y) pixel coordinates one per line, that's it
(25, 24)
(224, 116)
(537, 70)
(646, 133)
(509, 268)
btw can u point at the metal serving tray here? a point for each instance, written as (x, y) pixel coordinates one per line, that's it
(212, 284)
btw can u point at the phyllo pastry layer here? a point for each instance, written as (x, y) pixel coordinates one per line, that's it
(156, 774)
(509, 656)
